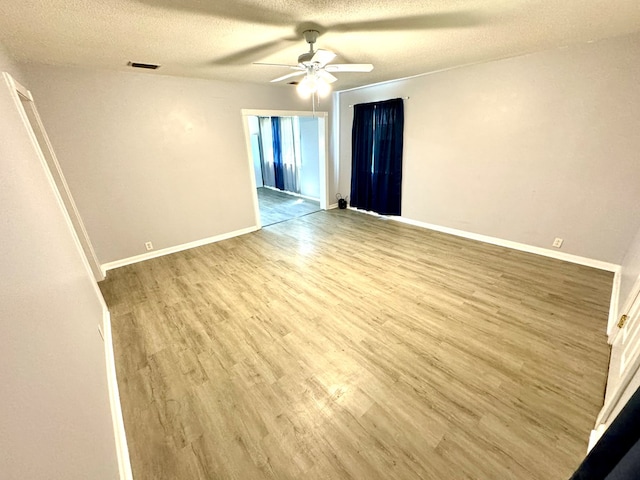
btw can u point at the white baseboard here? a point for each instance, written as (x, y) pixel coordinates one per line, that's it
(593, 439)
(122, 449)
(177, 248)
(369, 212)
(545, 252)
(332, 206)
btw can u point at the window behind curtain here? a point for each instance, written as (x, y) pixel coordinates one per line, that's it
(376, 161)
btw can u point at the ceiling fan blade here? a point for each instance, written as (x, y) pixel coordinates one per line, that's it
(240, 10)
(326, 76)
(257, 51)
(296, 67)
(429, 21)
(322, 57)
(290, 75)
(349, 67)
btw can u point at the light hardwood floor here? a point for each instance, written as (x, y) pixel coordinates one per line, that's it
(344, 346)
(276, 206)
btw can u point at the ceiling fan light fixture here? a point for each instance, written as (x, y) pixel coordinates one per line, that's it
(312, 84)
(323, 88)
(315, 68)
(305, 88)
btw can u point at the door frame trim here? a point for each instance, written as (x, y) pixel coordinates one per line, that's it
(52, 166)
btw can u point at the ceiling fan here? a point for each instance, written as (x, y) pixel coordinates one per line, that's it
(316, 67)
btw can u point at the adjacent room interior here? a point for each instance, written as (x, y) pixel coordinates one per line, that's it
(285, 154)
(183, 296)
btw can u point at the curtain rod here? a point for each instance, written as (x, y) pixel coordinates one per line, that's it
(404, 98)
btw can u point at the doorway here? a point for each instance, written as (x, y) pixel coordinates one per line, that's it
(288, 164)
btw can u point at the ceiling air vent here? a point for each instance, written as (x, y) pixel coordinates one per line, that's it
(148, 66)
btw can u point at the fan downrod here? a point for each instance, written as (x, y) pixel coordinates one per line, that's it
(310, 37)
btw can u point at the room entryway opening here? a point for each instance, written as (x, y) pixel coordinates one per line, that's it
(287, 153)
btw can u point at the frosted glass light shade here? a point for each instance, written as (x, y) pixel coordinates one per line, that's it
(312, 84)
(323, 88)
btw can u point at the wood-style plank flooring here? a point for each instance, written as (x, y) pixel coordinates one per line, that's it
(276, 206)
(344, 346)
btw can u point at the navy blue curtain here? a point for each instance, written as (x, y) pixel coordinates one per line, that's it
(616, 456)
(278, 163)
(361, 155)
(376, 162)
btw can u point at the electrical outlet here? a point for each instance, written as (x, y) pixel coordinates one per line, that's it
(558, 242)
(148, 246)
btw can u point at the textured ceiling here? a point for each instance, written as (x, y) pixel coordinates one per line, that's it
(220, 39)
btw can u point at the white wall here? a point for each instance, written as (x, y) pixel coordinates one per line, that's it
(56, 420)
(151, 157)
(524, 149)
(310, 157)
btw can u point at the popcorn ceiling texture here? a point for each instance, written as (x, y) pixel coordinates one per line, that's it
(220, 39)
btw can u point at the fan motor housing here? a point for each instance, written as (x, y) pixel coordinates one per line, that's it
(311, 36)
